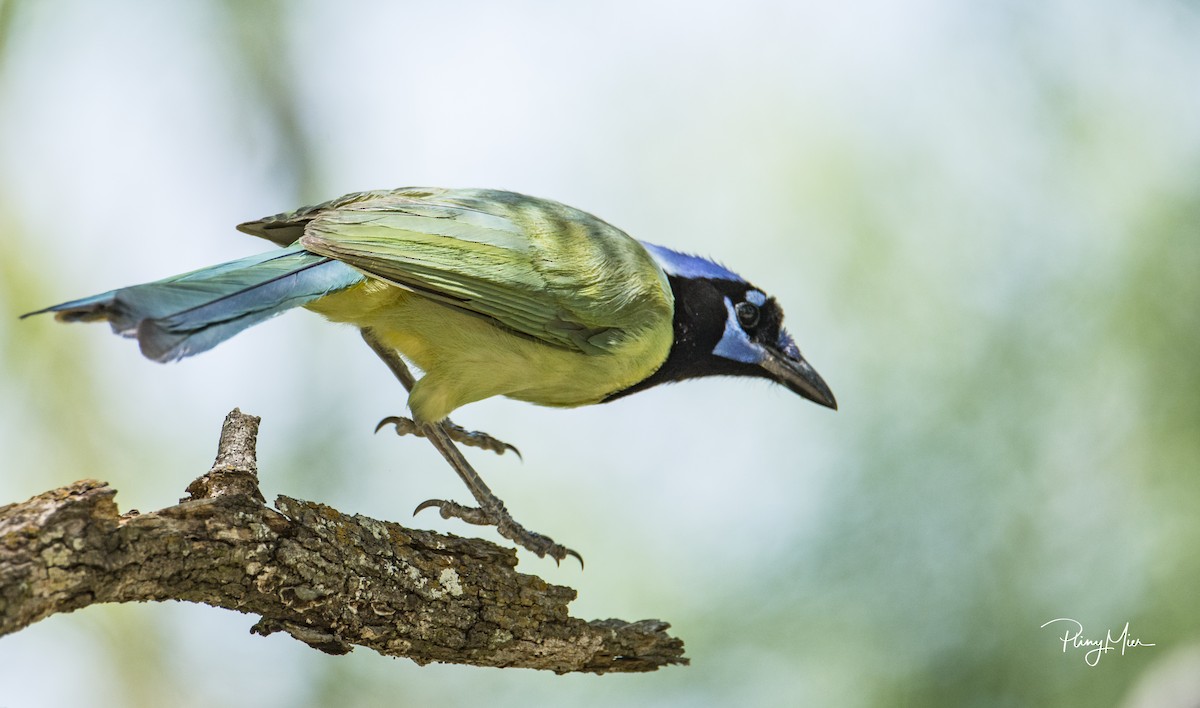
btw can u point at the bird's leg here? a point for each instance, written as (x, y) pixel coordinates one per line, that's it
(407, 426)
(491, 510)
(459, 434)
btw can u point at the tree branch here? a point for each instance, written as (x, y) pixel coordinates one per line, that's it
(328, 579)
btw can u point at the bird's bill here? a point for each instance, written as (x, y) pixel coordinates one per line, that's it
(799, 376)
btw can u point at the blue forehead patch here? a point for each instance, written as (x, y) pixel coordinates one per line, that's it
(682, 265)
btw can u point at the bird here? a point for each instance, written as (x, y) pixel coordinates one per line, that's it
(488, 293)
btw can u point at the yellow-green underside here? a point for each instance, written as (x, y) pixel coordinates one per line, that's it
(468, 358)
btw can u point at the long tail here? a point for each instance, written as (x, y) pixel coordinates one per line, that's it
(194, 312)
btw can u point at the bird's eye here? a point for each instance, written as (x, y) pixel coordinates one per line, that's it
(747, 314)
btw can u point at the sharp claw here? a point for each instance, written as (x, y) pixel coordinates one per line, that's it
(483, 441)
(428, 503)
(406, 426)
(558, 553)
(541, 545)
(390, 420)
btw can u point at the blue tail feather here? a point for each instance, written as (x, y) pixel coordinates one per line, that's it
(191, 313)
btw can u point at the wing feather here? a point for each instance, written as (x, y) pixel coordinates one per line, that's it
(534, 266)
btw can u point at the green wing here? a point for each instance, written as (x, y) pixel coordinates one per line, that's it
(534, 266)
(287, 228)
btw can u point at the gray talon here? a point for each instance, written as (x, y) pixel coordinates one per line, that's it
(404, 426)
(474, 438)
(454, 510)
(459, 434)
(538, 544)
(427, 504)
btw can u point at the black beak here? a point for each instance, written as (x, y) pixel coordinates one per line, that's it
(799, 376)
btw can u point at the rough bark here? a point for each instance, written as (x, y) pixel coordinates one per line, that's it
(329, 579)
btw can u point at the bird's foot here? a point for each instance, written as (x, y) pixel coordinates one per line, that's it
(541, 545)
(459, 434)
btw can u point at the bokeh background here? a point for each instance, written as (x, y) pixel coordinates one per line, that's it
(983, 220)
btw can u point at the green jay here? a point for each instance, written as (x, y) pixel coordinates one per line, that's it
(489, 293)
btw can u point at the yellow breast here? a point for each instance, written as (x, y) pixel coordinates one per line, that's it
(468, 358)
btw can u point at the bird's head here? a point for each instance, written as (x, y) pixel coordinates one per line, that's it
(724, 326)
